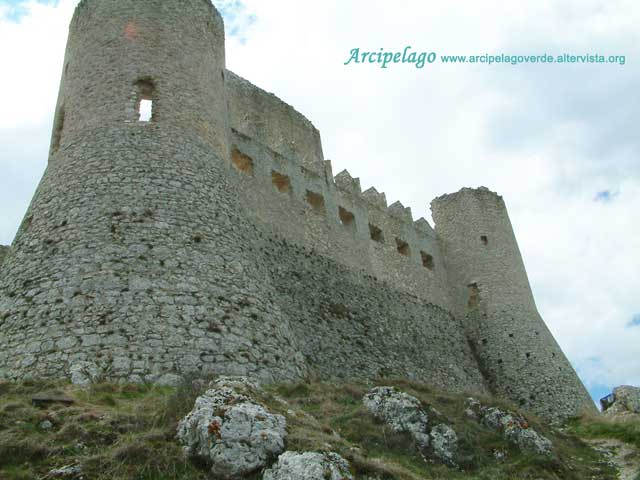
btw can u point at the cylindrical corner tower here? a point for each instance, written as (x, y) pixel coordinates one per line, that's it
(133, 259)
(517, 353)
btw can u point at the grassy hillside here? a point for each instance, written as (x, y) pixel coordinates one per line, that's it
(127, 432)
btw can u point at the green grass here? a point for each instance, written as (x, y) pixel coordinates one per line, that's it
(127, 432)
(627, 431)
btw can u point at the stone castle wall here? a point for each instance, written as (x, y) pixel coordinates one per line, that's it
(4, 251)
(215, 238)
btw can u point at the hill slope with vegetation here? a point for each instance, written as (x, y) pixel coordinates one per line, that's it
(128, 432)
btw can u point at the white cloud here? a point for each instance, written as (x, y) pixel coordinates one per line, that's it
(548, 138)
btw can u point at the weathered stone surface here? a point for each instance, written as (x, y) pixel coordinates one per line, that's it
(169, 380)
(231, 432)
(309, 466)
(444, 443)
(3, 253)
(85, 373)
(514, 427)
(626, 400)
(402, 412)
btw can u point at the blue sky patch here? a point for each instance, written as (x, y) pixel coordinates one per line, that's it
(17, 8)
(236, 18)
(635, 321)
(605, 196)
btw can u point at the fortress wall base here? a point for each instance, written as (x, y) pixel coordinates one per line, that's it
(351, 325)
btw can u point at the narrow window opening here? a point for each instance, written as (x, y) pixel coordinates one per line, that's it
(474, 295)
(403, 247)
(146, 110)
(144, 103)
(281, 182)
(376, 234)
(484, 239)
(427, 260)
(315, 200)
(242, 162)
(346, 217)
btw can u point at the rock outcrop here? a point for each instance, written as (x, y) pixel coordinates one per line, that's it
(513, 426)
(231, 432)
(309, 466)
(626, 400)
(402, 412)
(444, 442)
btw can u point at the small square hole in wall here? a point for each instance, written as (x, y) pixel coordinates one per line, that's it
(346, 217)
(242, 162)
(484, 239)
(427, 260)
(376, 234)
(315, 200)
(403, 247)
(145, 110)
(281, 182)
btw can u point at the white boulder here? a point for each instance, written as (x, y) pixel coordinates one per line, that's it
(235, 435)
(402, 412)
(309, 466)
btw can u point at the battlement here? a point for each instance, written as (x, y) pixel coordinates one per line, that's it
(290, 190)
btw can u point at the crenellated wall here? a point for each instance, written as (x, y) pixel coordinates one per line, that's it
(352, 227)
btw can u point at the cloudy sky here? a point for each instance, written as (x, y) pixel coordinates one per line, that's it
(558, 141)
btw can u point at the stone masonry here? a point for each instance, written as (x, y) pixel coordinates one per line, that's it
(213, 238)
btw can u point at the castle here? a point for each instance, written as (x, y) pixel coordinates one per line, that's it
(213, 238)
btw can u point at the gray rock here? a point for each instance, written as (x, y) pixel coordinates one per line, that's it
(84, 373)
(242, 384)
(309, 466)
(45, 425)
(444, 443)
(402, 412)
(514, 427)
(626, 400)
(234, 434)
(69, 471)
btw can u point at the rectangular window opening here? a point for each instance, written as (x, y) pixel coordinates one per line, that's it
(427, 260)
(484, 239)
(281, 182)
(315, 200)
(242, 162)
(145, 110)
(403, 247)
(346, 217)
(376, 234)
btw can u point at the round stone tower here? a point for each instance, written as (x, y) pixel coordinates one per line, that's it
(516, 351)
(133, 260)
